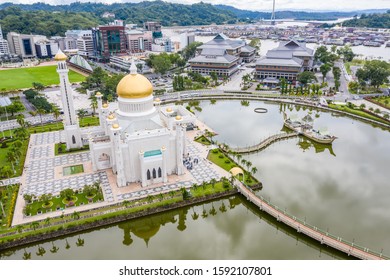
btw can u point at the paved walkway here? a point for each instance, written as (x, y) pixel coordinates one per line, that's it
(43, 173)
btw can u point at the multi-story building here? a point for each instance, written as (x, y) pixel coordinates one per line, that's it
(139, 41)
(71, 37)
(154, 27)
(85, 45)
(23, 44)
(286, 61)
(46, 48)
(124, 63)
(186, 39)
(222, 56)
(4, 49)
(109, 40)
(162, 45)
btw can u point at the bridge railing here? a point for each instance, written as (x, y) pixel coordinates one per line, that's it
(292, 221)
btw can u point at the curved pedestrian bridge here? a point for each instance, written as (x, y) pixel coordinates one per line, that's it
(313, 232)
(265, 143)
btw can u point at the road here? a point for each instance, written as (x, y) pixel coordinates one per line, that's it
(236, 80)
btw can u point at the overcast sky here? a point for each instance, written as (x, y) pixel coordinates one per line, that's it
(261, 5)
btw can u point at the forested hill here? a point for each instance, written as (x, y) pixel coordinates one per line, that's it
(297, 15)
(55, 20)
(40, 18)
(371, 21)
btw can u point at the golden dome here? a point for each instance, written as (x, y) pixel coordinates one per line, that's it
(169, 110)
(98, 94)
(60, 56)
(111, 117)
(134, 86)
(157, 100)
(115, 126)
(105, 105)
(178, 118)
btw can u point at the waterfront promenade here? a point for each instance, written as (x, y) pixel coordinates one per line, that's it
(313, 232)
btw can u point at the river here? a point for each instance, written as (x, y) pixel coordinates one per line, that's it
(341, 188)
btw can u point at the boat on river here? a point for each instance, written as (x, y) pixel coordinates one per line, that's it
(305, 127)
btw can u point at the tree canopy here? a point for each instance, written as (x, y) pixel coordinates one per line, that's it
(306, 77)
(374, 73)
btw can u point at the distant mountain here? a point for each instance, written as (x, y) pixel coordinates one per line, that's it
(41, 18)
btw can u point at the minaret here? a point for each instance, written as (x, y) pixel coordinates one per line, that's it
(71, 126)
(120, 171)
(180, 134)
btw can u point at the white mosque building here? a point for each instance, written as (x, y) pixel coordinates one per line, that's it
(140, 140)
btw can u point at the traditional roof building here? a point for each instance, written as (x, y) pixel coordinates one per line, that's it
(286, 61)
(222, 56)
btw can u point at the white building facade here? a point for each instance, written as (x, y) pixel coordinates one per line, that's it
(142, 141)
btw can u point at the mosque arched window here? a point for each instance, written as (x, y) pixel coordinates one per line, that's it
(154, 173)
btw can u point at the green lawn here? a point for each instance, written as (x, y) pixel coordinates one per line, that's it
(383, 100)
(18, 166)
(203, 140)
(74, 169)
(24, 77)
(357, 112)
(217, 157)
(89, 121)
(8, 199)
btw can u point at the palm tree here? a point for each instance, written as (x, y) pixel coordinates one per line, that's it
(94, 105)
(172, 194)
(20, 120)
(149, 198)
(34, 225)
(19, 228)
(11, 158)
(248, 164)
(254, 170)
(56, 113)
(213, 182)
(239, 156)
(21, 133)
(75, 215)
(243, 162)
(81, 113)
(47, 221)
(6, 172)
(195, 216)
(40, 113)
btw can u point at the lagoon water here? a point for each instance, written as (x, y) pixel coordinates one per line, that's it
(342, 188)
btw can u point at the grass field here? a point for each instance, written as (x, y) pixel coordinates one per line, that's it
(24, 77)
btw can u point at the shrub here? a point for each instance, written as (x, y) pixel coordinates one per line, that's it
(220, 156)
(227, 161)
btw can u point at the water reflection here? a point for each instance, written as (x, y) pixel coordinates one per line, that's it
(151, 228)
